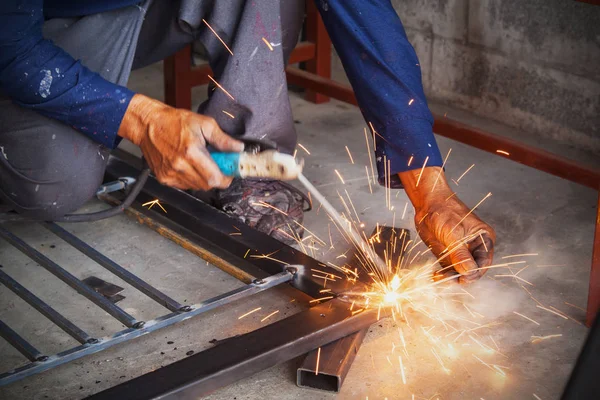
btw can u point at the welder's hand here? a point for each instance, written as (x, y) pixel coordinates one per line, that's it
(173, 142)
(439, 220)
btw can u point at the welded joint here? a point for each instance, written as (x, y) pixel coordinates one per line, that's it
(296, 270)
(290, 269)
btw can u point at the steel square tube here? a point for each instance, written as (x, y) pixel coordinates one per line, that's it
(16, 341)
(70, 280)
(115, 268)
(335, 361)
(45, 309)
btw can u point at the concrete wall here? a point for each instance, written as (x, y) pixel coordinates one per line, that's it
(532, 64)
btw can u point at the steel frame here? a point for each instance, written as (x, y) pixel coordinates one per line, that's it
(204, 231)
(193, 225)
(89, 345)
(245, 355)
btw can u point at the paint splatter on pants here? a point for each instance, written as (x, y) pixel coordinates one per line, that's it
(48, 169)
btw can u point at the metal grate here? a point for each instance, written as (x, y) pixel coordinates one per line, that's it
(40, 362)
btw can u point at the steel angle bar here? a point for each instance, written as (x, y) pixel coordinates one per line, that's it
(150, 326)
(245, 355)
(211, 228)
(16, 341)
(45, 309)
(70, 280)
(116, 269)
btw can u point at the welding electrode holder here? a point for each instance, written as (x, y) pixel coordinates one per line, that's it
(140, 181)
(259, 160)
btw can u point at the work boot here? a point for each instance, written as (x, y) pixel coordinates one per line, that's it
(272, 207)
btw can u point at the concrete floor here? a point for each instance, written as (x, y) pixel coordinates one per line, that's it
(532, 213)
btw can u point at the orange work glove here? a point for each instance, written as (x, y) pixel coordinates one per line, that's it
(439, 221)
(173, 142)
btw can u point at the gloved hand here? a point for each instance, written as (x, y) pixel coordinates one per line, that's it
(173, 142)
(438, 216)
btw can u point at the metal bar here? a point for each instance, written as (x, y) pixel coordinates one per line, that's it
(527, 155)
(304, 51)
(519, 152)
(244, 355)
(49, 312)
(70, 280)
(336, 358)
(235, 266)
(177, 88)
(335, 361)
(20, 344)
(211, 229)
(320, 84)
(150, 326)
(593, 307)
(116, 269)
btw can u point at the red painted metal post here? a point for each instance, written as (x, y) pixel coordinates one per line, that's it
(593, 307)
(320, 65)
(178, 92)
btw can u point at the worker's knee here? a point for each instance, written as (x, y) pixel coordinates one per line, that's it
(47, 169)
(49, 200)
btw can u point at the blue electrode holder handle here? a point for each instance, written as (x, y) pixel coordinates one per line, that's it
(228, 163)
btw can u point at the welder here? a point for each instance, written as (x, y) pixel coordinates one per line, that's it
(64, 105)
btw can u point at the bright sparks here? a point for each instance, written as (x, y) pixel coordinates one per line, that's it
(230, 115)
(218, 37)
(152, 203)
(267, 43)
(464, 173)
(250, 312)
(269, 316)
(350, 155)
(304, 148)
(422, 169)
(221, 87)
(339, 176)
(537, 339)
(318, 359)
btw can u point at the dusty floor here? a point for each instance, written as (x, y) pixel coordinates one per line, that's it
(532, 213)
